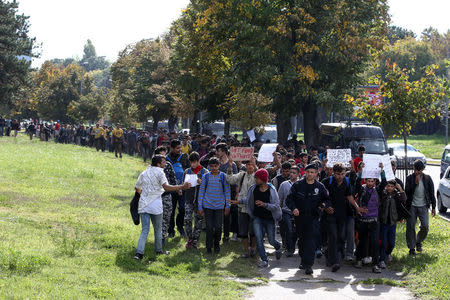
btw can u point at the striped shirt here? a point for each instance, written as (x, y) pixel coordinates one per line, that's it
(217, 194)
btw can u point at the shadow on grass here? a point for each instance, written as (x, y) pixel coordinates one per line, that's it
(184, 261)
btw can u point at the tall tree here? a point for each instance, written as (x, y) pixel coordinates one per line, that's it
(142, 82)
(16, 51)
(408, 102)
(302, 54)
(90, 60)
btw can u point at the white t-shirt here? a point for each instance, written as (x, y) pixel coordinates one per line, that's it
(151, 183)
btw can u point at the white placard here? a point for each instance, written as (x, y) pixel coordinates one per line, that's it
(251, 135)
(371, 166)
(335, 156)
(266, 152)
(372, 169)
(192, 179)
(387, 167)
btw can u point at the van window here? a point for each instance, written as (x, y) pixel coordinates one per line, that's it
(372, 146)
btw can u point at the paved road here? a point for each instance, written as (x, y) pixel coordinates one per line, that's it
(286, 281)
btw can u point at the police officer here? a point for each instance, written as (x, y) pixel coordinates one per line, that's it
(307, 198)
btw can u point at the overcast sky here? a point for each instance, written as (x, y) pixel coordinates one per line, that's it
(63, 26)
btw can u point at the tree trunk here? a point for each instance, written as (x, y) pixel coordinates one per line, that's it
(194, 127)
(283, 128)
(155, 122)
(406, 152)
(172, 122)
(226, 119)
(311, 129)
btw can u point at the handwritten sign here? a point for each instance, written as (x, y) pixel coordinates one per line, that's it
(192, 179)
(241, 153)
(265, 154)
(387, 167)
(251, 135)
(335, 156)
(372, 166)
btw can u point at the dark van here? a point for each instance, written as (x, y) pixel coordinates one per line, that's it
(352, 135)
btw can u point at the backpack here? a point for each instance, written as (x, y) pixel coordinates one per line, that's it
(177, 167)
(346, 180)
(222, 179)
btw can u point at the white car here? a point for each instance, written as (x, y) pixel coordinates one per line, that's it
(398, 150)
(443, 192)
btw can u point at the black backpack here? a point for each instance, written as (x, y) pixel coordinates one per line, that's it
(134, 204)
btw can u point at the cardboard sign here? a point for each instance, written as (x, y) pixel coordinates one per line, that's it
(335, 156)
(265, 154)
(241, 153)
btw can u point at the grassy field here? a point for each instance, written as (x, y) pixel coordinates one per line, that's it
(66, 232)
(430, 145)
(428, 273)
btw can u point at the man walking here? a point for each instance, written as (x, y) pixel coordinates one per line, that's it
(307, 199)
(150, 185)
(263, 206)
(420, 196)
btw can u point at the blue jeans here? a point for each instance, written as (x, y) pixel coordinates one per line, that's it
(1, 130)
(387, 234)
(157, 228)
(260, 228)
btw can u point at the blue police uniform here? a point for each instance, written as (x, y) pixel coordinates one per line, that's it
(308, 199)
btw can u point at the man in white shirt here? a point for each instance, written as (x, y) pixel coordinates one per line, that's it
(151, 184)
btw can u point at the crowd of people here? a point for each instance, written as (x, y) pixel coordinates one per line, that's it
(316, 208)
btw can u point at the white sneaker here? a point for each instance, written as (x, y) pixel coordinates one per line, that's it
(367, 260)
(234, 238)
(389, 258)
(383, 265)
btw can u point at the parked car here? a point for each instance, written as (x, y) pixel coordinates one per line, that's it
(445, 160)
(398, 150)
(344, 135)
(443, 192)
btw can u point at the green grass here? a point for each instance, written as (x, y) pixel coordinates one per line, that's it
(66, 232)
(431, 146)
(427, 274)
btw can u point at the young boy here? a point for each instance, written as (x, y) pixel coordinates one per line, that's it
(191, 202)
(214, 195)
(393, 197)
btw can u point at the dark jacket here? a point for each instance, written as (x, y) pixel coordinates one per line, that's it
(411, 188)
(392, 207)
(308, 204)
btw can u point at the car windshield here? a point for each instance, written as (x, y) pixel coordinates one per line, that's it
(402, 148)
(269, 135)
(377, 146)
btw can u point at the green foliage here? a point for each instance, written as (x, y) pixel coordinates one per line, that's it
(14, 261)
(90, 60)
(15, 45)
(286, 51)
(142, 83)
